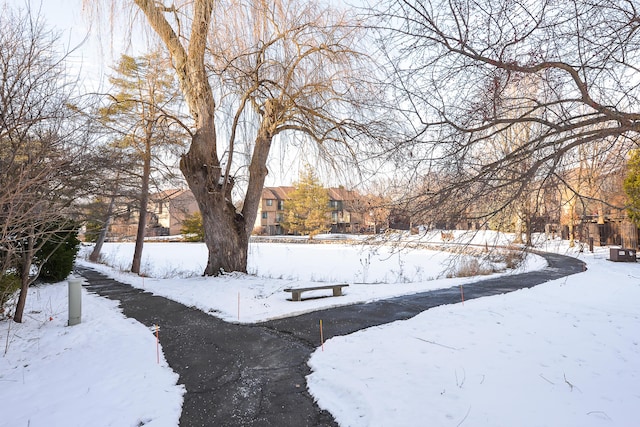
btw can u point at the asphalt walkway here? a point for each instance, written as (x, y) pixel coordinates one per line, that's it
(254, 375)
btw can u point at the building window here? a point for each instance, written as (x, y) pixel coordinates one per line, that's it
(334, 217)
(265, 215)
(280, 205)
(269, 202)
(279, 217)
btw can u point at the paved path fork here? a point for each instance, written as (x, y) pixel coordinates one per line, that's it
(254, 375)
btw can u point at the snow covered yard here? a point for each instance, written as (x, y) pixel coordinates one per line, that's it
(102, 372)
(372, 272)
(564, 353)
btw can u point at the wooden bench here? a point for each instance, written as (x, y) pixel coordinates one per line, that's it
(297, 292)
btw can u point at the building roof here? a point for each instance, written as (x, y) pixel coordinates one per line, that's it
(277, 193)
(341, 193)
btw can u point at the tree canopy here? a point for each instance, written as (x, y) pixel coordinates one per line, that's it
(632, 187)
(141, 113)
(307, 209)
(250, 72)
(455, 66)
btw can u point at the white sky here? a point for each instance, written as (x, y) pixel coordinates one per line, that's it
(65, 17)
(92, 49)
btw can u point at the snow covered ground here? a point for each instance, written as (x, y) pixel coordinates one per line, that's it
(102, 372)
(372, 272)
(565, 353)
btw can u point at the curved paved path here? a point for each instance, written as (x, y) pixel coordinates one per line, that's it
(254, 375)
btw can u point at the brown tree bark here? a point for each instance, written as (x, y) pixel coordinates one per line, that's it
(224, 229)
(298, 98)
(144, 201)
(95, 254)
(27, 257)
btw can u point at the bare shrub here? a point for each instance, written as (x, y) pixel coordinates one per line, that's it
(513, 259)
(468, 267)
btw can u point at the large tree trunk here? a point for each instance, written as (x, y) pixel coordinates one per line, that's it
(224, 228)
(226, 231)
(257, 174)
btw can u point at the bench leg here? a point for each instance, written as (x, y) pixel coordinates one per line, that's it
(295, 296)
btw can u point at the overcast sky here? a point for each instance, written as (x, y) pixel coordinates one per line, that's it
(92, 49)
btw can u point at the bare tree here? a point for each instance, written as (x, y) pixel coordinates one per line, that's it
(141, 112)
(593, 185)
(519, 213)
(106, 219)
(281, 67)
(454, 63)
(116, 184)
(39, 145)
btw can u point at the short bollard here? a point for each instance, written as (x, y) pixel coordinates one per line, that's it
(75, 300)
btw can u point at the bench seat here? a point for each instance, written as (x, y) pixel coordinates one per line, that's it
(296, 293)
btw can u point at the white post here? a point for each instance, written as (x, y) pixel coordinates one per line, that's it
(75, 300)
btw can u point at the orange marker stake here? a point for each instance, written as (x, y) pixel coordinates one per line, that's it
(462, 294)
(321, 335)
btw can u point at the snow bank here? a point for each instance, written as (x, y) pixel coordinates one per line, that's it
(103, 371)
(564, 353)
